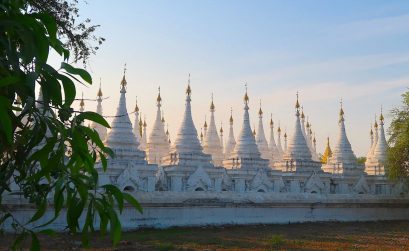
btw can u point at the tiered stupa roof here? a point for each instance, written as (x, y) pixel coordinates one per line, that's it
(298, 157)
(120, 138)
(212, 141)
(187, 150)
(375, 165)
(343, 160)
(246, 154)
(231, 141)
(279, 147)
(272, 144)
(144, 138)
(158, 146)
(102, 130)
(136, 125)
(261, 140)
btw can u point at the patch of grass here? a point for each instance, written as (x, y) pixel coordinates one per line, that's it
(276, 240)
(166, 247)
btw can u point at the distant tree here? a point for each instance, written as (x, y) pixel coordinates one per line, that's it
(77, 36)
(361, 160)
(46, 152)
(397, 161)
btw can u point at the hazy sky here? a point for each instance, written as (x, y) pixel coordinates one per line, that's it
(327, 50)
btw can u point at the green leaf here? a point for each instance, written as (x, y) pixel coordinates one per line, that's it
(77, 71)
(129, 198)
(117, 194)
(69, 89)
(40, 211)
(93, 116)
(115, 227)
(35, 243)
(49, 232)
(5, 81)
(5, 122)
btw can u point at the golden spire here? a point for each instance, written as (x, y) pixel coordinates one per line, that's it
(285, 135)
(144, 122)
(201, 134)
(99, 94)
(188, 90)
(381, 118)
(159, 99)
(205, 123)
(302, 112)
(271, 120)
(341, 112)
(82, 101)
(297, 104)
(221, 127)
(136, 105)
(279, 128)
(327, 153)
(212, 105)
(246, 97)
(123, 82)
(163, 117)
(140, 124)
(231, 115)
(260, 112)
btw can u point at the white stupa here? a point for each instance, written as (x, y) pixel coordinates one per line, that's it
(279, 147)
(276, 157)
(231, 141)
(120, 138)
(144, 138)
(157, 146)
(343, 160)
(297, 156)
(211, 142)
(186, 149)
(261, 140)
(102, 130)
(136, 126)
(375, 164)
(246, 154)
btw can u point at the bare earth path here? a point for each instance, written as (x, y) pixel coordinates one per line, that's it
(392, 235)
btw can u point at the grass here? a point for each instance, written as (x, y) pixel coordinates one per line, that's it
(276, 240)
(388, 235)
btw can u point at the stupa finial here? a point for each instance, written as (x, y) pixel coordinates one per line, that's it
(246, 97)
(159, 98)
(188, 89)
(260, 112)
(381, 118)
(231, 115)
(212, 107)
(99, 94)
(123, 82)
(341, 111)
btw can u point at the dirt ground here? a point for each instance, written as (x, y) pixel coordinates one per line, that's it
(387, 235)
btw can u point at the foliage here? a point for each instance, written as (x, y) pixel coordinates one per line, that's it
(361, 160)
(397, 162)
(276, 240)
(77, 36)
(47, 155)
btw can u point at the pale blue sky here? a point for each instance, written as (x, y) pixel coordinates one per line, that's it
(357, 50)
